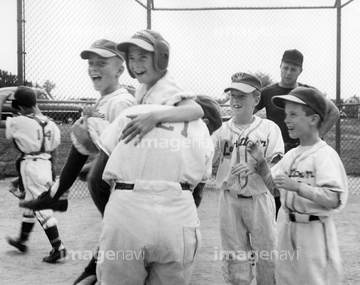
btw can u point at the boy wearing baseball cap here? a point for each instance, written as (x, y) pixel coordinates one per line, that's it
(105, 66)
(290, 69)
(313, 187)
(37, 137)
(147, 58)
(246, 211)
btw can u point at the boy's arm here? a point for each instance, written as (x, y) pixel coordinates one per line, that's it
(186, 110)
(332, 116)
(3, 98)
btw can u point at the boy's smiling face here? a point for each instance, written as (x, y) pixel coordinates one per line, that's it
(243, 104)
(141, 64)
(296, 120)
(105, 73)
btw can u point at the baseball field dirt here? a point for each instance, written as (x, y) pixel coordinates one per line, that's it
(79, 229)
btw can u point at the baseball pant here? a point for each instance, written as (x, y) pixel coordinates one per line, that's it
(247, 226)
(148, 237)
(308, 253)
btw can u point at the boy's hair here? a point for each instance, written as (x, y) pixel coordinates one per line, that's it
(308, 97)
(103, 48)
(211, 112)
(150, 41)
(24, 97)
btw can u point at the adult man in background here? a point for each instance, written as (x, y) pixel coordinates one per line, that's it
(290, 69)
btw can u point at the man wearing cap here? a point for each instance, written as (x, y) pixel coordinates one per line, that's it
(290, 69)
(313, 187)
(105, 66)
(246, 210)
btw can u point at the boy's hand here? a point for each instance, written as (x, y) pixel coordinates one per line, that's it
(140, 125)
(255, 150)
(243, 168)
(286, 183)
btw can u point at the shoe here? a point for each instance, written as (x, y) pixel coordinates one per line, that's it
(17, 193)
(16, 243)
(45, 201)
(86, 278)
(55, 255)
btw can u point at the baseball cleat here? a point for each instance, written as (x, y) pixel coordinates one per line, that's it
(55, 255)
(17, 193)
(16, 243)
(45, 201)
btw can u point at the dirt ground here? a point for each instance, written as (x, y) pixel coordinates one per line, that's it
(80, 227)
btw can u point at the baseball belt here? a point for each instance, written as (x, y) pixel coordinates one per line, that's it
(128, 186)
(302, 218)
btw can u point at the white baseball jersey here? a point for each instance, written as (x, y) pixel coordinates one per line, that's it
(111, 105)
(28, 134)
(315, 243)
(178, 144)
(37, 143)
(230, 146)
(166, 91)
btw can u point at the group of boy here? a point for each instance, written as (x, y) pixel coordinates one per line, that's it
(125, 174)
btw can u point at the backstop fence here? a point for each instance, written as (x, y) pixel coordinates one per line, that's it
(208, 45)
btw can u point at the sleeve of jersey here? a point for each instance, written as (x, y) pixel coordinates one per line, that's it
(118, 107)
(9, 128)
(209, 154)
(111, 136)
(275, 143)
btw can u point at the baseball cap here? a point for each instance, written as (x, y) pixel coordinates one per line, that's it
(306, 96)
(211, 111)
(141, 39)
(293, 56)
(24, 97)
(244, 82)
(104, 48)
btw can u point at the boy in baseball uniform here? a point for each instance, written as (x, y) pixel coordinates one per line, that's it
(246, 210)
(37, 137)
(151, 211)
(313, 187)
(105, 66)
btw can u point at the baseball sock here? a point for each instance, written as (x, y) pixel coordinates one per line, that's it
(74, 163)
(53, 236)
(26, 229)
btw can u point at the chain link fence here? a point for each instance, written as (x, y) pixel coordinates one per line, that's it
(207, 47)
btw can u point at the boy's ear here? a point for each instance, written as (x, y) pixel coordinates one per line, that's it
(121, 70)
(315, 118)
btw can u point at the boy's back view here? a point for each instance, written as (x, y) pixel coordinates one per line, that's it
(37, 137)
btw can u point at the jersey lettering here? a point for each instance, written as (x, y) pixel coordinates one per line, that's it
(171, 128)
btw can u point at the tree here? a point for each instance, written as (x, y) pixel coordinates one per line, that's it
(48, 86)
(265, 78)
(7, 79)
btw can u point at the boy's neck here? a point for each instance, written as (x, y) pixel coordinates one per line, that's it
(310, 139)
(240, 120)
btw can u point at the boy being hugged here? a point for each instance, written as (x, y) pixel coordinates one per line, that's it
(313, 187)
(246, 210)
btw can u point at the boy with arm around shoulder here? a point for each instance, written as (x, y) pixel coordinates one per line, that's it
(313, 186)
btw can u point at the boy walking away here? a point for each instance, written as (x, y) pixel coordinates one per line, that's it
(313, 187)
(37, 137)
(246, 211)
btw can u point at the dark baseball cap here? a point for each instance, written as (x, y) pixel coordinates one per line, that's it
(103, 48)
(293, 56)
(24, 97)
(244, 82)
(211, 111)
(306, 96)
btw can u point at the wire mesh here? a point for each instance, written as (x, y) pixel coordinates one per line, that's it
(207, 47)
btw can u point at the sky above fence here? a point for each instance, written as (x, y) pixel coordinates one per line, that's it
(319, 63)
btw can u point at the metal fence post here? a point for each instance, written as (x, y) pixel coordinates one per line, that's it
(20, 42)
